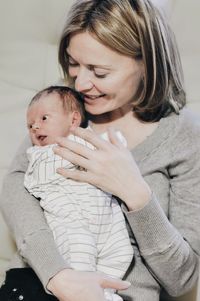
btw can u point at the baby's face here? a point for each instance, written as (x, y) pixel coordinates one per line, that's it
(47, 119)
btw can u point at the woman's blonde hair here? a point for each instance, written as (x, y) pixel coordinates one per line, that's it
(137, 29)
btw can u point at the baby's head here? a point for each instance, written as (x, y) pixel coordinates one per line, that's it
(53, 112)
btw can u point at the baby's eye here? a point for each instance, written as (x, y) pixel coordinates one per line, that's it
(45, 117)
(29, 126)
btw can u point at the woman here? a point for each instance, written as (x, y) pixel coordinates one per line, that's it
(122, 56)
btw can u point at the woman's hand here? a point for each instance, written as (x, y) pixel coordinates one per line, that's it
(110, 166)
(70, 285)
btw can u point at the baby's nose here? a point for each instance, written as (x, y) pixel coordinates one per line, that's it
(35, 126)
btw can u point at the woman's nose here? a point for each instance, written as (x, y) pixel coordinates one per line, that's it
(83, 82)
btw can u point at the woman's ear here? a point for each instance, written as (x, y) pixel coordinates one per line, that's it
(75, 120)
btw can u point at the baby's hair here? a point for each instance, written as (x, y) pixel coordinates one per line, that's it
(71, 99)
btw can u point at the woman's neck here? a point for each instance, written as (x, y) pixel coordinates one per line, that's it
(115, 119)
(134, 130)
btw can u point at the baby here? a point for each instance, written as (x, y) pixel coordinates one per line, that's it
(87, 223)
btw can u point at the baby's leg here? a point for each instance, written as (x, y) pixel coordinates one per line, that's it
(71, 230)
(76, 244)
(116, 255)
(113, 244)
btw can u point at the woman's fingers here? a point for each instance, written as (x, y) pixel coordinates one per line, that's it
(91, 137)
(86, 150)
(108, 282)
(74, 146)
(77, 175)
(116, 138)
(73, 158)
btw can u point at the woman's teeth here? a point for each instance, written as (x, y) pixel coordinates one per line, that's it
(94, 96)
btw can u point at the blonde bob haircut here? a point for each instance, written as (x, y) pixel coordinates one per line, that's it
(137, 29)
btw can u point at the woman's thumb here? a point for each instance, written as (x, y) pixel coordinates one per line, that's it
(118, 284)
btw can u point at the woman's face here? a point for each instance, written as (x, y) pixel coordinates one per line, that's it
(108, 80)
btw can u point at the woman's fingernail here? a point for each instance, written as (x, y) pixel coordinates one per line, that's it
(127, 283)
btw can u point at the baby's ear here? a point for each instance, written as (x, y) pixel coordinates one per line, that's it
(76, 120)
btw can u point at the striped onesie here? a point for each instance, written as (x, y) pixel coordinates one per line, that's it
(87, 223)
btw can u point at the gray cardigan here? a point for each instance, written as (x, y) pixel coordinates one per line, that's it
(165, 233)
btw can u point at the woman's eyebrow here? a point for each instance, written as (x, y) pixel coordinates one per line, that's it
(92, 65)
(108, 67)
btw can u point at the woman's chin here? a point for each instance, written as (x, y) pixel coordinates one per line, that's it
(93, 110)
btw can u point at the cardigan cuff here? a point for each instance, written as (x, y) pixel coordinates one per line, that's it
(151, 227)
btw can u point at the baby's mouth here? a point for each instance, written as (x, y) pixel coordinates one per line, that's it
(41, 137)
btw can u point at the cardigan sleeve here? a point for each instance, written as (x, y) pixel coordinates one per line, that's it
(170, 245)
(168, 256)
(27, 223)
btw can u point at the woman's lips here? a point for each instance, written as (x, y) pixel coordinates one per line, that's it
(91, 98)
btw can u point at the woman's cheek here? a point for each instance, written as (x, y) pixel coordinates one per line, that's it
(72, 72)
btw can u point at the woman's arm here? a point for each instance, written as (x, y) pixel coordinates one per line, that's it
(169, 257)
(171, 248)
(25, 218)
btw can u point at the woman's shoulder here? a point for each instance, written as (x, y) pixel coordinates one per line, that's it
(189, 120)
(186, 130)
(188, 125)
(178, 132)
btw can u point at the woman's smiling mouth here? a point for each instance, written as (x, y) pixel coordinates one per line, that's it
(92, 97)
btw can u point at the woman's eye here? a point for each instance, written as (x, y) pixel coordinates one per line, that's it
(45, 117)
(72, 64)
(100, 75)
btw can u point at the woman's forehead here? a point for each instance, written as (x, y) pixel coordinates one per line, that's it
(84, 48)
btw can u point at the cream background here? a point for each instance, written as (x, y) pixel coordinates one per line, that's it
(29, 32)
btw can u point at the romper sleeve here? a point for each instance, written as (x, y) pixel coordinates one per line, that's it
(27, 223)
